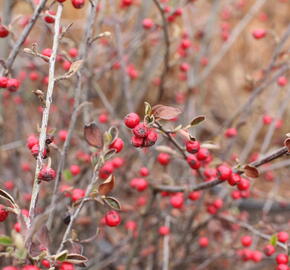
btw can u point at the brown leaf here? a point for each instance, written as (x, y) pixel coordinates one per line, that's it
(93, 135)
(8, 197)
(76, 258)
(197, 120)
(251, 171)
(75, 67)
(165, 112)
(107, 186)
(287, 144)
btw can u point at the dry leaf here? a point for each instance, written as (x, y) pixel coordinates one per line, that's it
(165, 112)
(93, 135)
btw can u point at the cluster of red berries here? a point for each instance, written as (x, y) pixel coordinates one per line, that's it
(110, 166)
(140, 183)
(143, 136)
(44, 263)
(11, 84)
(76, 3)
(33, 144)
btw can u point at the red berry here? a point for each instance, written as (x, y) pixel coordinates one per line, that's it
(282, 258)
(202, 154)
(193, 162)
(13, 85)
(164, 230)
(31, 141)
(103, 118)
(112, 218)
(45, 263)
(73, 52)
(117, 145)
(177, 201)
(17, 227)
(282, 267)
(118, 162)
(283, 237)
(49, 17)
(47, 174)
(4, 32)
(140, 130)
(126, 3)
(30, 267)
(144, 171)
(78, 3)
(269, 250)
(267, 119)
(203, 242)
(224, 172)
(192, 146)
(244, 184)
(137, 141)
(77, 194)
(75, 170)
(282, 81)
(3, 213)
(140, 184)
(147, 23)
(3, 82)
(151, 138)
(184, 67)
(194, 195)
(163, 159)
(66, 266)
(131, 225)
(236, 194)
(256, 256)
(231, 132)
(132, 120)
(62, 134)
(234, 179)
(259, 33)
(106, 170)
(35, 149)
(246, 241)
(47, 52)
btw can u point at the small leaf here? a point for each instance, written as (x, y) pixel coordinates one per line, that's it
(5, 240)
(197, 120)
(107, 186)
(165, 112)
(148, 109)
(93, 135)
(107, 138)
(273, 240)
(8, 197)
(251, 171)
(67, 175)
(287, 144)
(114, 133)
(76, 258)
(179, 127)
(112, 202)
(61, 256)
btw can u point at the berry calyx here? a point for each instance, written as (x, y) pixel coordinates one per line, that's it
(47, 174)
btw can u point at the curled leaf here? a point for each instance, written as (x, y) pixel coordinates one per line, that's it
(76, 258)
(113, 131)
(61, 256)
(107, 186)
(93, 135)
(197, 120)
(108, 139)
(148, 109)
(75, 67)
(112, 202)
(287, 144)
(8, 197)
(109, 154)
(251, 171)
(165, 112)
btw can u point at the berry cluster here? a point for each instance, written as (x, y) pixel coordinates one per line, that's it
(11, 84)
(143, 136)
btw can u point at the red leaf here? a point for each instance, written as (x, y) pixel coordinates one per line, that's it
(165, 112)
(93, 135)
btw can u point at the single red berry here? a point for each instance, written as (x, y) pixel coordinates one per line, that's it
(246, 241)
(17, 227)
(12, 85)
(140, 184)
(35, 149)
(106, 170)
(131, 120)
(244, 184)
(117, 145)
(185, 44)
(218, 203)
(267, 119)
(203, 242)
(137, 141)
(164, 230)
(283, 237)
(66, 266)
(184, 67)
(193, 162)
(194, 195)
(33, 76)
(3, 82)
(103, 118)
(259, 33)
(75, 170)
(126, 3)
(4, 32)
(47, 174)
(49, 16)
(234, 179)
(236, 194)
(269, 250)
(131, 225)
(282, 258)
(9, 185)
(192, 146)
(151, 138)
(256, 256)
(224, 172)
(77, 194)
(118, 162)
(78, 3)
(62, 135)
(231, 132)
(282, 267)
(147, 23)
(3, 213)
(140, 130)
(45, 263)
(177, 201)
(47, 52)
(66, 65)
(144, 171)
(112, 218)
(163, 159)
(202, 154)
(73, 52)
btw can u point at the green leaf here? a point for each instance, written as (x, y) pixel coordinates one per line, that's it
(5, 240)
(148, 109)
(67, 175)
(273, 240)
(112, 202)
(61, 256)
(107, 137)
